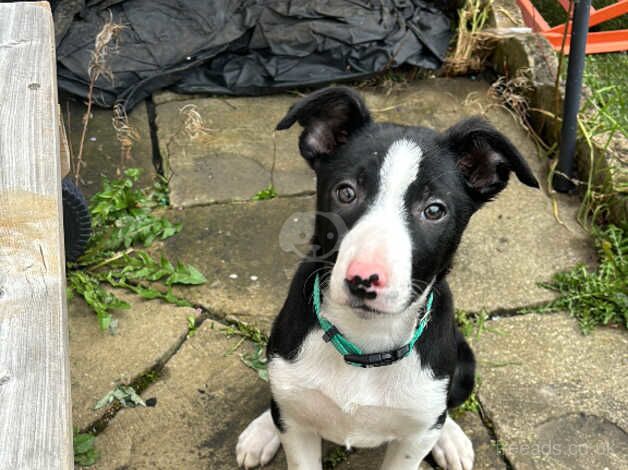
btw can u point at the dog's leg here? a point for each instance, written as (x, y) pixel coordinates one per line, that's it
(302, 446)
(453, 450)
(407, 454)
(258, 443)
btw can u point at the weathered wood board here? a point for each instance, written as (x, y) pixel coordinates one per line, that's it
(35, 408)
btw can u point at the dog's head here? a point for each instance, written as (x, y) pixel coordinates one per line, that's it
(404, 194)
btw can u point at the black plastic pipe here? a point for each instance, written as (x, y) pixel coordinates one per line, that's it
(569, 131)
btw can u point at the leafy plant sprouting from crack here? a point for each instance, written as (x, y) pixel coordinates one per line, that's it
(595, 297)
(125, 223)
(125, 395)
(257, 359)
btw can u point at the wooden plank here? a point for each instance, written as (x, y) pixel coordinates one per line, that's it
(64, 148)
(35, 408)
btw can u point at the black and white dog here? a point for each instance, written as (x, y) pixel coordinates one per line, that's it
(365, 350)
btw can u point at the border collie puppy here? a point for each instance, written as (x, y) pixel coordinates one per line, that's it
(365, 350)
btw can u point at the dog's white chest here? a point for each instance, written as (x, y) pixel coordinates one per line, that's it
(354, 406)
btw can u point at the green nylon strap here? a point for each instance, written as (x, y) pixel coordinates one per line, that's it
(342, 344)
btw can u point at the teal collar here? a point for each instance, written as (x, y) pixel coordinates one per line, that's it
(351, 353)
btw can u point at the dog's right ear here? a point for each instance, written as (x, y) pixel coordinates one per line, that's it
(328, 118)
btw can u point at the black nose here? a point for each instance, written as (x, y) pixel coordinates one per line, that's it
(359, 286)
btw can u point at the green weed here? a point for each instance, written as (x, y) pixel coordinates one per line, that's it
(246, 331)
(145, 380)
(471, 324)
(124, 395)
(256, 360)
(472, 403)
(124, 221)
(605, 76)
(268, 192)
(85, 454)
(191, 326)
(600, 296)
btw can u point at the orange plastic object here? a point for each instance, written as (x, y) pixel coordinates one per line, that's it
(597, 42)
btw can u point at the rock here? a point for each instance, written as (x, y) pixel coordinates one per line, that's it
(557, 399)
(222, 149)
(147, 335)
(102, 152)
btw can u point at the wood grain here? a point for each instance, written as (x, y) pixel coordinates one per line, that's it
(35, 409)
(64, 148)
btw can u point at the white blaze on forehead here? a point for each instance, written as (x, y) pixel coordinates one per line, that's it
(399, 170)
(381, 236)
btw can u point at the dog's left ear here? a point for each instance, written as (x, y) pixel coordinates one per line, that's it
(486, 157)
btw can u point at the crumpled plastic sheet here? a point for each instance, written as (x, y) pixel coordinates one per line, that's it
(245, 47)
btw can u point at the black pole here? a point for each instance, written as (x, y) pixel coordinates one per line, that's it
(580, 28)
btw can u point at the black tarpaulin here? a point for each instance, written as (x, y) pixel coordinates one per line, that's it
(245, 47)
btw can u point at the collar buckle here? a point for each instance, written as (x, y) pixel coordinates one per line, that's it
(377, 359)
(330, 333)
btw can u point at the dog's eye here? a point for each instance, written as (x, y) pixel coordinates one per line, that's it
(434, 211)
(345, 193)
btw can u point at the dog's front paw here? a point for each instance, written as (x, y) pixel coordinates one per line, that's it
(453, 450)
(258, 443)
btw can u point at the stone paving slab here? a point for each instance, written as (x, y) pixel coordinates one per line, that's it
(147, 334)
(102, 154)
(510, 245)
(558, 399)
(246, 251)
(225, 151)
(204, 400)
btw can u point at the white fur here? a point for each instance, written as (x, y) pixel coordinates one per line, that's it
(382, 234)
(258, 443)
(454, 450)
(354, 406)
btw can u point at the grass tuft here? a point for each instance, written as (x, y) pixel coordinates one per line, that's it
(257, 359)
(473, 46)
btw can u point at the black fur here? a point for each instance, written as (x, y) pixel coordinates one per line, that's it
(276, 415)
(440, 420)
